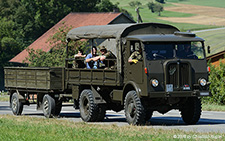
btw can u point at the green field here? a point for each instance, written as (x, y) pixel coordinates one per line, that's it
(148, 16)
(214, 39)
(213, 3)
(29, 128)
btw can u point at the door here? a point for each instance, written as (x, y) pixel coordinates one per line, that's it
(135, 70)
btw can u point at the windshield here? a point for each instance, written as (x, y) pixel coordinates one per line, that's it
(186, 50)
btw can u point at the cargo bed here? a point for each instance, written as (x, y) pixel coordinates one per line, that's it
(37, 78)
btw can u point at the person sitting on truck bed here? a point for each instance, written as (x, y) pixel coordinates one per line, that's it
(135, 56)
(91, 59)
(79, 63)
(106, 54)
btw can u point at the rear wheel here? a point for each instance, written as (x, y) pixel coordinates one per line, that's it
(88, 109)
(191, 112)
(16, 105)
(134, 110)
(48, 106)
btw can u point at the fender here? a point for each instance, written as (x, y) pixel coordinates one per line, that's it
(131, 85)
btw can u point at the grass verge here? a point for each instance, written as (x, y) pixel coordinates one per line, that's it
(30, 128)
(213, 107)
(4, 96)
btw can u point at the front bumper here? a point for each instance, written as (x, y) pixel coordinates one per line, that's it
(195, 93)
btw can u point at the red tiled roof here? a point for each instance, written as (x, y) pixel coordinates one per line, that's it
(72, 19)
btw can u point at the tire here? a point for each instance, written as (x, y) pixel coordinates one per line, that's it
(16, 106)
(101, 112)
(192, 111)
(48, 106)
(134, 110)
(88, 109)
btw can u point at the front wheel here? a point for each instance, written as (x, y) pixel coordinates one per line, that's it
(16, 105)
(134, 110)
(191, 112)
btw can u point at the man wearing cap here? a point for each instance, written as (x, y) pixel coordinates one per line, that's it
(106, 54)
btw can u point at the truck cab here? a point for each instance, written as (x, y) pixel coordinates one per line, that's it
(171, 64)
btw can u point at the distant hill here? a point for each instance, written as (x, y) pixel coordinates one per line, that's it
(185, 14)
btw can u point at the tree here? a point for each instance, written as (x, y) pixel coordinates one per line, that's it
(135, 3)
(160, 1)
(106, 6)
(158, 8)
(9, 45)
(56, 56)
(151, 6)
(155, 7)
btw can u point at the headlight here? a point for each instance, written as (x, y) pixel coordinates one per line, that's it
(155, 82)
(202, 82)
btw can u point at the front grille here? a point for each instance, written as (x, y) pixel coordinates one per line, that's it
(178, 74)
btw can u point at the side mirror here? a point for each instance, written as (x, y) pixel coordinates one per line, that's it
(208, 49)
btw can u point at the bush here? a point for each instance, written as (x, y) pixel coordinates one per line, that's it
(217, 87)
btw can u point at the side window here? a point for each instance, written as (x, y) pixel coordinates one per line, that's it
(134, 46)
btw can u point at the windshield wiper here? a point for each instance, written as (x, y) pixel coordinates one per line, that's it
(157, 55)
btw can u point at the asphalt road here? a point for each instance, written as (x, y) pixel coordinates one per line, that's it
(209, 122)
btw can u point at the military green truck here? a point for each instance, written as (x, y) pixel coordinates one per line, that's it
(172, 74)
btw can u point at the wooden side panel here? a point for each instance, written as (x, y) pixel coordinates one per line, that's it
(57, 78)
(92, 77)
(34, 78)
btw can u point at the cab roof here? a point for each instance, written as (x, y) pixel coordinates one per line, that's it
(119, 30)
(165, 38)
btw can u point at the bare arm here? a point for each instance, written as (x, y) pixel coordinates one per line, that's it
(92, 59)
(88, 60)
(130, 60)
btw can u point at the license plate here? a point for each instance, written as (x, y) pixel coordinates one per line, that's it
(186, 88)
(204, 93)
(169, 87)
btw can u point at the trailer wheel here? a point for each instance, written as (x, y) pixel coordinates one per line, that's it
(17, 107)
(88, 109)
(101, 112)
(48, 106)
(191, 112)
(134, 110)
